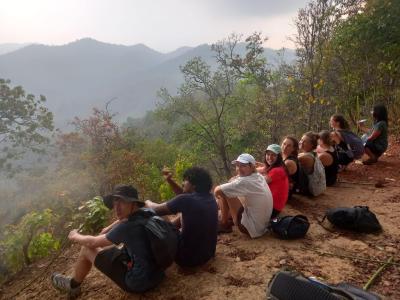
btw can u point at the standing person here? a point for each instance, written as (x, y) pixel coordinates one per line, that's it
(133, 267)
(348, 145)
(327, 154)
(377, 140)
(298, 181)
(246, 198)
(311, 164)
(276, 175)
(199, 216)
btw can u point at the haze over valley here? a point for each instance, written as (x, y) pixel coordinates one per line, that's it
(87, 73)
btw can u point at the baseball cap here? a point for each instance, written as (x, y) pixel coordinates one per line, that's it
(245, 158)
(275, 148)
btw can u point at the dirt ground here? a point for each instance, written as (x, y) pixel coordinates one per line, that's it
(243, 267)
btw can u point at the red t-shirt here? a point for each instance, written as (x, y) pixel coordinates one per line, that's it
(279, 187)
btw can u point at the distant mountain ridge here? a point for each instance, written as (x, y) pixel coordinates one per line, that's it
(87, 73)
(10, 47)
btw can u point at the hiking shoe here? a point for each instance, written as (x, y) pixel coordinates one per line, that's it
(63, 284)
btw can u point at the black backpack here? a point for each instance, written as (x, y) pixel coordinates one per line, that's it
(289, 285)
(290, 227)
(162, 236)
(357, 218)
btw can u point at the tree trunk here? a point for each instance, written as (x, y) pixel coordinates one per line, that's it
(25, 248)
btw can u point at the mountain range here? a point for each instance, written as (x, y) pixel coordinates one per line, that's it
(10, 47)
(87, 73)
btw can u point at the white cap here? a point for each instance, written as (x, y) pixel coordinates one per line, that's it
(245, 158)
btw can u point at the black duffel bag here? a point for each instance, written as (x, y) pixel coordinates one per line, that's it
(290, 284)
(357, 218)
(290, 227)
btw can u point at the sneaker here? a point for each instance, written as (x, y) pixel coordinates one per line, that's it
(63, 284)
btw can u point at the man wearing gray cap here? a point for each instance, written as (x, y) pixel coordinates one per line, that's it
(246, 199)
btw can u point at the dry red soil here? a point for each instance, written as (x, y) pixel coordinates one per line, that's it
(243, 267)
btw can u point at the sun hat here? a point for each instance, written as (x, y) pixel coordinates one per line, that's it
(125, 192)
(275, 148)
(245, 158)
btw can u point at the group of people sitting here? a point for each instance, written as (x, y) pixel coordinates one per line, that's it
(249, 200)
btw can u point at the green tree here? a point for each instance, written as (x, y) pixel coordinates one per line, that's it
(29, 239)
(315, 26)
(365, 60)
(24, 124)
(210, 104)
(204, 100)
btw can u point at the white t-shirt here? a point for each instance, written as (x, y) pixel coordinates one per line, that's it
(256, 198)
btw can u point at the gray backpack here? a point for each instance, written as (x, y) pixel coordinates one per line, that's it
(316, 180)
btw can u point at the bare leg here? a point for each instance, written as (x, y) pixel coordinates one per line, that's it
(234, 206)
(84, 263)
(229, 208)
(224, 207)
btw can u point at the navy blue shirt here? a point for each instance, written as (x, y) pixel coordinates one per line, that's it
(144, 274)
(199, 227)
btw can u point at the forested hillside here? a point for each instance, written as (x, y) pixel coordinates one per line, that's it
(211, 107)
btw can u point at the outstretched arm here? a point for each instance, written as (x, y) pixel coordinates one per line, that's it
(160, 209)
(89, 241)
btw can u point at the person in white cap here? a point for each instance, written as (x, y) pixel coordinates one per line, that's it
(246, 199)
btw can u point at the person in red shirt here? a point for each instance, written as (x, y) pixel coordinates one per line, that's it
(276, 175)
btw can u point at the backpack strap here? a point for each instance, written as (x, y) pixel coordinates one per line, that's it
(142, 213)
(141, 216)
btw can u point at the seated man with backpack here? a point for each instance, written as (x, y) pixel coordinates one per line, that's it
(199, 216)
(133, 267)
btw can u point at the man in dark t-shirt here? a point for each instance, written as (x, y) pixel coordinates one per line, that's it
(131, 267)
(199, 216)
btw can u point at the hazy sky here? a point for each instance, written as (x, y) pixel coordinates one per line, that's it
(160, 24)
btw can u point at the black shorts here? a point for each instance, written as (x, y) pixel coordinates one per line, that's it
(374, 148)
(344, 159)
(113, 262)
